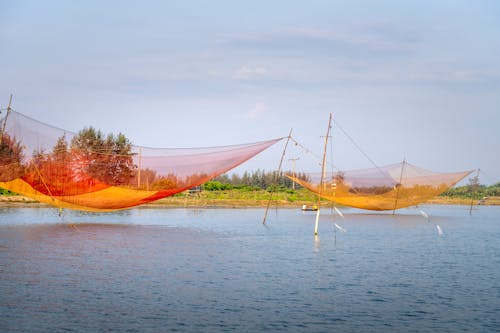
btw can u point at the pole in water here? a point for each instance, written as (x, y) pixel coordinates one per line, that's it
(474, 190)
(398, 186)
(321, 183)
(276, 176)
(317, 222)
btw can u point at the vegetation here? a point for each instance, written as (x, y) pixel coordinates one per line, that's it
(106, 158)
(251, 181)
(240, 197)
(11, 156)
(6, 192)
(473, 190)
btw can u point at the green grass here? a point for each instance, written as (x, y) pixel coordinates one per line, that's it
(6, 192)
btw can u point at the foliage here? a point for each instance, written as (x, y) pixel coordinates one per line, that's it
(473, 190)
(215, 185)
(11, 157)
(260, 179)
(105, 158)
(6, 192)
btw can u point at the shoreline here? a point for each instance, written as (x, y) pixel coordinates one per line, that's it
(193, 202)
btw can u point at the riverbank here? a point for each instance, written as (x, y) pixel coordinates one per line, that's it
(233, 199)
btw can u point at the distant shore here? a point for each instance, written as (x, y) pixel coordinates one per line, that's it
(193, 201)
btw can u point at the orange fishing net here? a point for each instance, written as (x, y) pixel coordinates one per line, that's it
(94, 172)
(383, 188)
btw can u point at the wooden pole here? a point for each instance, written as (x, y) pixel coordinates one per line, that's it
(276, 176)
(293, 171)
(473, 192)
(398, 186)
(322, 174)
(5, 120)
(139, 169)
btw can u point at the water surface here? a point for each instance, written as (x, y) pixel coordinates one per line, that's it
(212, 270)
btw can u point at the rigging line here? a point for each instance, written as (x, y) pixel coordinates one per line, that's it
(276, 175)
(43, 181)
(72, 133)
(308, 151)
(490, 178)
(359, 148)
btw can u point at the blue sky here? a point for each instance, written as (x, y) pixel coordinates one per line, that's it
(406, 79)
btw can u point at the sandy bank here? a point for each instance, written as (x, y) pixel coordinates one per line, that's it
(175, 202)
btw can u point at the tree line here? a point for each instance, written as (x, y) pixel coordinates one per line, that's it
(254, 180)
(476, 191)
(88, 155)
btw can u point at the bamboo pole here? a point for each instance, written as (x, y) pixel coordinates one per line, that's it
(276, 176)
(398, 186)
(139, 169)
(474, 190)
(322, 175)
(293, 170)
(5, 120)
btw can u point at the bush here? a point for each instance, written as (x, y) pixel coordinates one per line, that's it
(6, 192)
(215, 185)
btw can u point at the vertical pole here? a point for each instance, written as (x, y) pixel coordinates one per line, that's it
(5, 120)
(277, 175)
(293, 171)
(399, 185)
(472, 192)
(139, 167)
(322, 174)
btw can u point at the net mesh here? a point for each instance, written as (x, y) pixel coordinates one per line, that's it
(383, 188)
(94, 172)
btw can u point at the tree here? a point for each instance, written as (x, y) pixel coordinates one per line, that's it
(11, 157)
(105, 158)
(473, 185)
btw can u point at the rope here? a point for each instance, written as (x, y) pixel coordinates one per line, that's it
(490, 178)
(43, 181)
(359, 148)
(308, 151)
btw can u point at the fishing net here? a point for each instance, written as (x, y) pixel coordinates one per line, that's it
(383, 188)
(91, 171)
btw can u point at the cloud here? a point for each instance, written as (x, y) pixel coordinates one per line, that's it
(247, 72)
(458, 76)
(257, 112)
(374, 39)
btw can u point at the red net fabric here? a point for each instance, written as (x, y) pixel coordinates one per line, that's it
(94, 172)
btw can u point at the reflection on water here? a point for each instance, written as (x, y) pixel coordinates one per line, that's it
(156, 270)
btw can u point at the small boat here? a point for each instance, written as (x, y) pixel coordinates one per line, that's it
(312, 208)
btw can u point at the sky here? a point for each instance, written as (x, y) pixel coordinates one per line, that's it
(413, 80)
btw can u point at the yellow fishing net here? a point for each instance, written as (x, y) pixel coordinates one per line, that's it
(94, 172)
(382, 188)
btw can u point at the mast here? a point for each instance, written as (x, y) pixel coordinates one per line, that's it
(474, 190)
(321, 185)
(275, 180)
(5, 120)
(399, 185)
(293, 170)
(139, 169)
